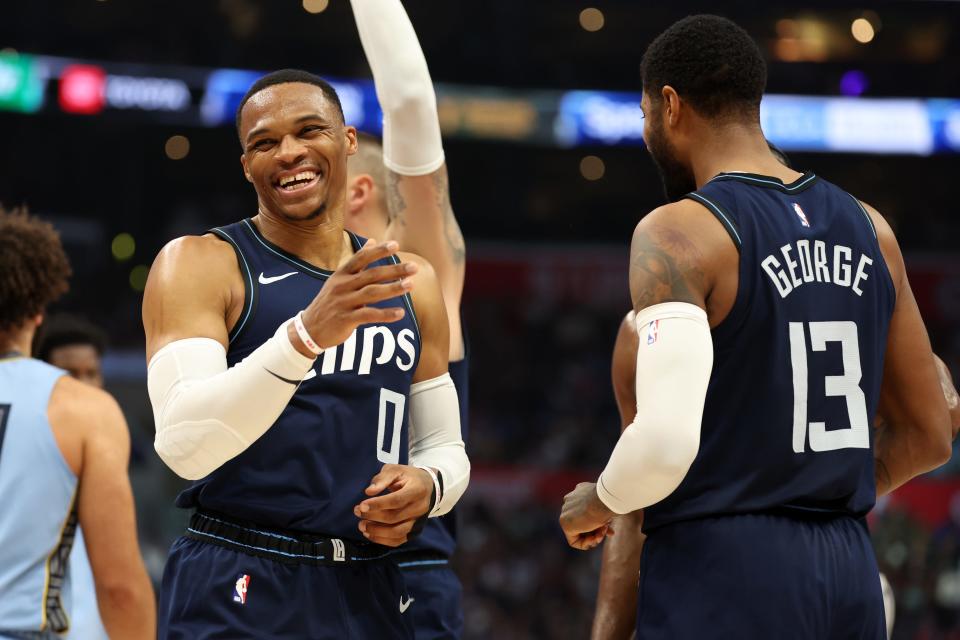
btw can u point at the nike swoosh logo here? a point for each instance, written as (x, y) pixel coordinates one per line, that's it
(267, 280)
(405, 605)
(310, 374)
(295, 383)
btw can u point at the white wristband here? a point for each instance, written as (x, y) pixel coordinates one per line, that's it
(436, 487)
(314, 348)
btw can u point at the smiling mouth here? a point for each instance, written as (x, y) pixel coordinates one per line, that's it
(298, 182)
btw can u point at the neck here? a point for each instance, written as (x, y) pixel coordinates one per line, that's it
(17, 340)
(321, 242)
(381, 225)
(371, 222)
(735, 147)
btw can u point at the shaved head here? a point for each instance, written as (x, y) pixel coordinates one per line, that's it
(369, 159)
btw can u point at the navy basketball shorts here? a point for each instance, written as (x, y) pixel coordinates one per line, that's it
(760, 576)
(436, 597)
(211, 591)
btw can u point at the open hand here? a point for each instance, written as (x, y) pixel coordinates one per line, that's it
(343, 304)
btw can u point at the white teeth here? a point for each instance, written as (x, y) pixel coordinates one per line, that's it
(303, 175)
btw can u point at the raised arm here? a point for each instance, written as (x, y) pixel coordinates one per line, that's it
(105, 508)
(916, 432)
(418, 196)
(616, 609)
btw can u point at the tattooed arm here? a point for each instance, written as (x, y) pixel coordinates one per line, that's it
(418, 197)
(915, 437)
(674, 248)
(666, 263)
(422, 221)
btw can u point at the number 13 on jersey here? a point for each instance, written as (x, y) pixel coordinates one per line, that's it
(857, 436)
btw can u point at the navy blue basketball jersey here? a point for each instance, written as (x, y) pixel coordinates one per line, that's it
(798, 362)
(346, 420)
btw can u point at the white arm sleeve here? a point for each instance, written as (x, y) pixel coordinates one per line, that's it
(411, 127)
(656, 450)
(206, 413)
(435, 439)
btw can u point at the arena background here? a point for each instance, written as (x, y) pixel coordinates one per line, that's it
(117, 117)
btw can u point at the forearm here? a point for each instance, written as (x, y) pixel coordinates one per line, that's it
(616, 611)
(655, 452)
(901, 454)
(411, 127)
(128, 609)
(435, 439)
(206, 413)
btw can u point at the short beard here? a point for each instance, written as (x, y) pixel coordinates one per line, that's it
(313, 215)
(677, 179)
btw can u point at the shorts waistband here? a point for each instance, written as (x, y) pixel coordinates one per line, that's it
(419, 559)
(287, 547)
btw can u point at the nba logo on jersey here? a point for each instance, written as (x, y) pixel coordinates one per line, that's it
(240, 589)
(653, 332)
(801, 215)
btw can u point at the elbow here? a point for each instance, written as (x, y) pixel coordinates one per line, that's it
(460, 472)
(672, 461)
(942, 449)
(194, 449)
(466, 475)
(940, 445)
(182, 462)
(124, 595)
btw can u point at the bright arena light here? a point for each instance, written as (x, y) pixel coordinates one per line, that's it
(177, 147)
(862, 30)
(315, 6)
(592, 168)
(591, 19)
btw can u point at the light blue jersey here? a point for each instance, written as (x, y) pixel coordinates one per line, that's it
(38, 514)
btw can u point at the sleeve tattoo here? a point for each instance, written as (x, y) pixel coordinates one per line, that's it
(664, 268)
(397, 207)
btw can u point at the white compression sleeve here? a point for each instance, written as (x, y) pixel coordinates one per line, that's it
(206, 413)
(435, 439)
(656, 450)
(411, 128)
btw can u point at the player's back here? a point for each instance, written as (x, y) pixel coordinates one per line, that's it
(37, 491)
(798, 361)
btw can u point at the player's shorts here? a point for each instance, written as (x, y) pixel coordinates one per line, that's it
(760, 576)
(231, 581)
(436, 593)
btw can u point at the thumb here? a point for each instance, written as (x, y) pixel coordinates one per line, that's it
(389, 474)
